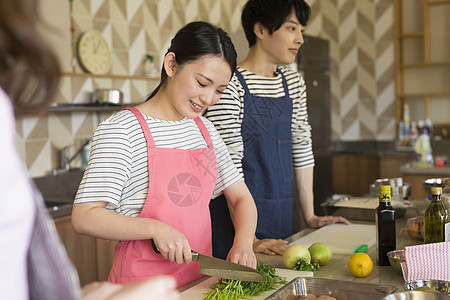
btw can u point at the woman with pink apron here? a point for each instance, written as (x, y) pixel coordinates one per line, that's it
(181, 186)
(154, 167)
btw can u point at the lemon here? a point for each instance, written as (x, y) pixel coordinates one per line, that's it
(360, 264)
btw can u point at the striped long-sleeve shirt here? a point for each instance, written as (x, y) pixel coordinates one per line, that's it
(117, 172)
(228, 113)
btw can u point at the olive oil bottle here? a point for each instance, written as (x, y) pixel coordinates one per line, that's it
(385, 225)
(436, 220)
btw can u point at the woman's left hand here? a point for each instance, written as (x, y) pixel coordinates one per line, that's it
(242, 255)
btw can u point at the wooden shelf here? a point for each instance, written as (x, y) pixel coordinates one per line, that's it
(110, 76)
(72, 107)
(418, 34)
(438, 2)
(81, 108)
(426, 64)
(423, 54)
(424, 95)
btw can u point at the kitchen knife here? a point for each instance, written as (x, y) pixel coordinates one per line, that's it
(223, 269)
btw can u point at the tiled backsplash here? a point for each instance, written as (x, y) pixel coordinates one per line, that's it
(361, 52)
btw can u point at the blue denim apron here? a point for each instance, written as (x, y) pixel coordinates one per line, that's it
(267, 163)
(268, 169)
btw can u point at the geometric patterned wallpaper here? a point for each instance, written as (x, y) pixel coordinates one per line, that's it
(361, 52)
(361, 36)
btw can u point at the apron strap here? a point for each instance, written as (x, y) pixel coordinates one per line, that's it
(245, 86)
(286, 89)
(148, 135)
(204, 132)
(242, 81)
(144, 125)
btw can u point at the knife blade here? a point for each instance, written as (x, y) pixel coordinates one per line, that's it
(223, 269)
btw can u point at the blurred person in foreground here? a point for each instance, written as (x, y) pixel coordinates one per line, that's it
(263, 119)
(34, 264)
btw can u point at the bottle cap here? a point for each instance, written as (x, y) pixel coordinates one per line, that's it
(436, 190)
(385, 189)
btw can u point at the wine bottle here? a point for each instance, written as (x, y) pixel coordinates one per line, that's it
(436, 219)
(385, 225)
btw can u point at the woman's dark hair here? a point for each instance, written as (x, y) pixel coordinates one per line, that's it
(195, 40)
(271, 14)
(29, 71)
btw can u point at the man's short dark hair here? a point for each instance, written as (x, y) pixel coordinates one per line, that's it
(271, 14)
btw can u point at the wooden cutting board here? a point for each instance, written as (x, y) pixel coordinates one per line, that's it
(341, 238)
(198, 292)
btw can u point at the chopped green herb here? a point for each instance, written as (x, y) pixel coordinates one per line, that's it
(228, 289)
(302, 265)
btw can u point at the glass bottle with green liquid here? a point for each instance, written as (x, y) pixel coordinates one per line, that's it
(436, 219)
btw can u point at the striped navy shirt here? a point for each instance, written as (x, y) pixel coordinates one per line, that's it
(117, 172)
(228, 113)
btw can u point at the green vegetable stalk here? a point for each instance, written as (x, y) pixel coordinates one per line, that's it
(228, 289)
(302, 265)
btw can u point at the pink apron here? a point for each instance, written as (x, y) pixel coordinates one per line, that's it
(181, 183)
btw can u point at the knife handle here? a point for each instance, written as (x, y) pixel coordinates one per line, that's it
(195, 255)
(154, 247)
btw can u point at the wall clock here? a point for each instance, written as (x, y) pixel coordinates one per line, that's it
(93, 53)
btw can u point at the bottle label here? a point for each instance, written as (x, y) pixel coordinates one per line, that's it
(385, 196)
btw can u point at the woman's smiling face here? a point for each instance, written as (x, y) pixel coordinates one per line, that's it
(197, 85)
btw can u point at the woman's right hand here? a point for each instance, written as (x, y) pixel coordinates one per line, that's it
(172, 244)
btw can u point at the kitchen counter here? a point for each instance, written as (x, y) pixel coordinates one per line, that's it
(412, 169)
(337, 267)
(415, 177)
(386, 148)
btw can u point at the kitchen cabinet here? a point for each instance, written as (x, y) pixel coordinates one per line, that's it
(80, 249)
(353, 173)
(390, 164)
(416, 176)
(105, 256)
(91, 257)
(416, 182)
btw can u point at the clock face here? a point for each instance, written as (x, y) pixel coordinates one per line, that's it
(93, 53)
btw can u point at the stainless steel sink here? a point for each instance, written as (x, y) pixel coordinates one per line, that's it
(59, 190)
(59, 210)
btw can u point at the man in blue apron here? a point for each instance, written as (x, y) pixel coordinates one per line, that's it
(262, 117)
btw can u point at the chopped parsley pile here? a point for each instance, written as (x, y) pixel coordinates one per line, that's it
(228, 289)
